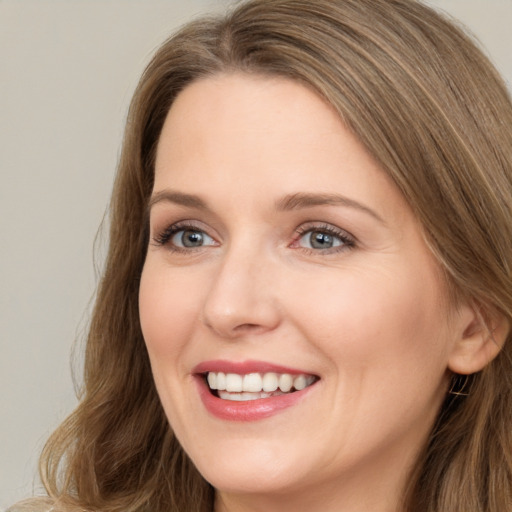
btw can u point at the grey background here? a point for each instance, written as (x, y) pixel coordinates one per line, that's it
(67, 71)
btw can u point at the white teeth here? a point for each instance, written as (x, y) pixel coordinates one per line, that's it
(212, 380)
(285, 382)
(252, 384)
(270, 382)
(221, 380)
(233, 382)
(299, 382)
(241, 397)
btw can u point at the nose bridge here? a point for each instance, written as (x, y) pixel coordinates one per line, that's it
(241, 297)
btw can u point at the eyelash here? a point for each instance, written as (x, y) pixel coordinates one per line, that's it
(164, 237)
(347, 240)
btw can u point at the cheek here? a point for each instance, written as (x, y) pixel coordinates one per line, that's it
(383, 340)
(375, 319)
(168, 308)
(168, 312)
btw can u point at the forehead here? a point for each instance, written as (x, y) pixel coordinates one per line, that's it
(259, 136)
(238, 105)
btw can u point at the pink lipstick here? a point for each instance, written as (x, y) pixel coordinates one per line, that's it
(250, 390)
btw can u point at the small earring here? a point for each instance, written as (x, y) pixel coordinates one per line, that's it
(460, 385)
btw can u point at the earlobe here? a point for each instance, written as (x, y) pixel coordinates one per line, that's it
(480, 340)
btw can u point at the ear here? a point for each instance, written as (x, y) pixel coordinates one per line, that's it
(480, 337)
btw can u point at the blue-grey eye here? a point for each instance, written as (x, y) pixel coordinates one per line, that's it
(320, 240)
(190, 238)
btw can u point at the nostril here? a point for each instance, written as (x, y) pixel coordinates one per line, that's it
(247, 327)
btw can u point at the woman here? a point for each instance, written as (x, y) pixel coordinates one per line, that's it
(307, 297)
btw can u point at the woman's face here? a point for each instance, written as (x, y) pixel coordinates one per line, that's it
(281, 255)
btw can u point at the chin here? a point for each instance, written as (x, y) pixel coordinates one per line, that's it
(259, 470)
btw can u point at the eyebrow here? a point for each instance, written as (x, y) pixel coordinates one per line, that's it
(180, 198)
(307, 200)
(297, 201)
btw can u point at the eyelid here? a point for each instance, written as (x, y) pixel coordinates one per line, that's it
(163, 237)
(348, 240)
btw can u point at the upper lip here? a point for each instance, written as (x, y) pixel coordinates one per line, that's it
(245, 367)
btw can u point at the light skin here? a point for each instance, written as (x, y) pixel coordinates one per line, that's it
(255, 168)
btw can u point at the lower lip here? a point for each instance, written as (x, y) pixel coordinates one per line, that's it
(250, 410)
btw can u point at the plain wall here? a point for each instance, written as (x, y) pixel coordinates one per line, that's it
(67, 71)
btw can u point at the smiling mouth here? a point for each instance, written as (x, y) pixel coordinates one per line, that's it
(254, 386)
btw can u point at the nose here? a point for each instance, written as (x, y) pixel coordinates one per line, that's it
(242, 297)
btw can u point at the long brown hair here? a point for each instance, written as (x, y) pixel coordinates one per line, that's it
(435, 114)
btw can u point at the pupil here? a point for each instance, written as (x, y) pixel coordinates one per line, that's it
(321, 240)
(192, 238)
